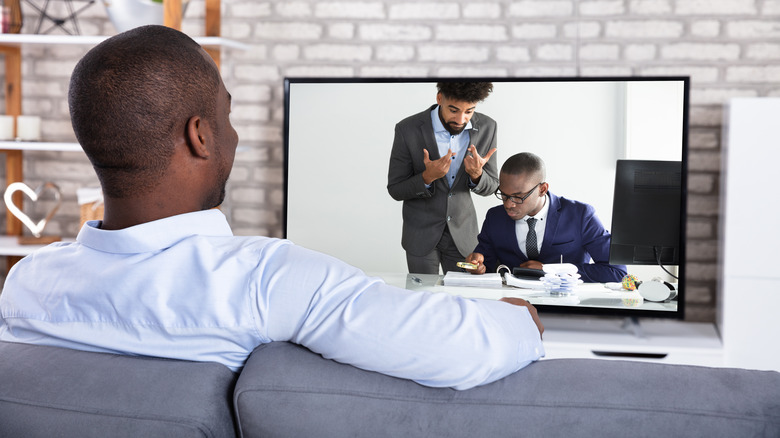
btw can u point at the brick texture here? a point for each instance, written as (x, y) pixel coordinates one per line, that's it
(729, 48)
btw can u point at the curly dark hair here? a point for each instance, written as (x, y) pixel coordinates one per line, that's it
(471, 92)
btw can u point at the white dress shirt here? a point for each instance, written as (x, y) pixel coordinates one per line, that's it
(458, 143)
(184, 287)
(521, 226)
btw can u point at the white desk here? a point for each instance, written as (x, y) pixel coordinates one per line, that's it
(594, 295)
(650, 340)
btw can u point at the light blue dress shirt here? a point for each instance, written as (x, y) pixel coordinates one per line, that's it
(446, 141)
(184, 287)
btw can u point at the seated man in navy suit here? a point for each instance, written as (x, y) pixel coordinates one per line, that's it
(534, 227)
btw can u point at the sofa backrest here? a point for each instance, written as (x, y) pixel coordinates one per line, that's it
(50, 391)
(286, 390)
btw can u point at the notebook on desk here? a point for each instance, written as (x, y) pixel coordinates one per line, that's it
(490, 280)
(454, 278)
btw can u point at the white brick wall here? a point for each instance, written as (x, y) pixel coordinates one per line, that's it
(729, 48)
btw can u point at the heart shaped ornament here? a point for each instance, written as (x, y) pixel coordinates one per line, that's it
(34, 195)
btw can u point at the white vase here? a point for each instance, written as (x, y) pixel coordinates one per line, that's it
(127, 14)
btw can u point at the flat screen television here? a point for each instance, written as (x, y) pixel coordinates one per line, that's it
(338, 135)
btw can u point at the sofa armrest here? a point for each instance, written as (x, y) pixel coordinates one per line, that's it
(51, 391)
(285, 390)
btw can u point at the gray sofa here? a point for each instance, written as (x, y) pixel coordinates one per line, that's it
(286, 391)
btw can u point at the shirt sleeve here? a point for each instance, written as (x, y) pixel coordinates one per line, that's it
(435, 339)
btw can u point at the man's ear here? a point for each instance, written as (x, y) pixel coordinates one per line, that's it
(545, 187)
(196, 137)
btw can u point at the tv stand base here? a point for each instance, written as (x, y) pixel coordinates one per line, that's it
(649, 340)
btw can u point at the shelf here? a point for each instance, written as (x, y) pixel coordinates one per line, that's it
(9, 246)
(11, 48)
(60, 146)
(39, 146)
(92, 40)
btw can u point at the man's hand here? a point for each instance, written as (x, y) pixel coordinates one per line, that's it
(436, 169)
(532, 264)
(531, 310)
(474, 163)
(477, 259)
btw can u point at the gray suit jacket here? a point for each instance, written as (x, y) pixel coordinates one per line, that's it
(427, 211)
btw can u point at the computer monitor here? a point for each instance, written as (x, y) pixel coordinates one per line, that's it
(646, 219)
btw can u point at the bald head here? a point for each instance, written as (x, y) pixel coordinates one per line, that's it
(131, 96)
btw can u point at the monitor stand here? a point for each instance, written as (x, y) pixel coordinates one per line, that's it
(631, 324)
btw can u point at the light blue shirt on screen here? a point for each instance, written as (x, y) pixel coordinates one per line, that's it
(446, 142)
(184, 287)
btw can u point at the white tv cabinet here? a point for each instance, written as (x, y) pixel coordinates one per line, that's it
(749, 288)
(649, 340)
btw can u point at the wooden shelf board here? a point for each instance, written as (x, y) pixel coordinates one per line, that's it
(91, 40)
(40, 146)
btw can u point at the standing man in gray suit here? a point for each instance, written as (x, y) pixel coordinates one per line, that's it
(439, 157)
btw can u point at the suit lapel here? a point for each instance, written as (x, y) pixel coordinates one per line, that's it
(426, 132)
(551, 228)
(511, 230)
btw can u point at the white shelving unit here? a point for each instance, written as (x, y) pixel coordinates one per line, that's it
(92, 40)
(11, 47)
(749, 287)
(9, 246)
(39, 146)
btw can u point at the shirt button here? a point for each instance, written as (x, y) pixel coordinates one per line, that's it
(448, 218)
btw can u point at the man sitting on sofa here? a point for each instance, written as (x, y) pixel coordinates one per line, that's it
(534, 227)
(162, 275)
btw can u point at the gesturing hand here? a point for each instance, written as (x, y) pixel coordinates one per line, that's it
(474, 163)
(437, 168)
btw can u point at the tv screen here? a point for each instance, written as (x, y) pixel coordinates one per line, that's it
(339, 134)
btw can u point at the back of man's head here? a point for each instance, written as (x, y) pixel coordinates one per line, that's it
(471, 92)
(524, 163)
(131, 95)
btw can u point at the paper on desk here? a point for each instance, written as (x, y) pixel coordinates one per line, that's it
(453, 278)
(511, 280)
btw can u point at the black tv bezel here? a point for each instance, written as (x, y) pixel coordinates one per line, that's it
(679, 314)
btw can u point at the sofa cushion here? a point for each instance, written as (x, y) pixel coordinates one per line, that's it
(285, 390)
(50, 391)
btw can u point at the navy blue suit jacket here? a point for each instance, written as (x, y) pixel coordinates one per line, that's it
(572, 230)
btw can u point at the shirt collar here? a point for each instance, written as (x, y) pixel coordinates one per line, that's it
(542, 215)
(156, 235)
(438, 126)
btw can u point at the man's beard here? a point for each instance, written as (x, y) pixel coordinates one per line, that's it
(451, 129)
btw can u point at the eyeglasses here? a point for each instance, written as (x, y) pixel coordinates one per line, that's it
(515, 199)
